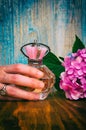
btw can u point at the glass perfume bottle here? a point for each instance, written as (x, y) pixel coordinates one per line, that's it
(35, 53)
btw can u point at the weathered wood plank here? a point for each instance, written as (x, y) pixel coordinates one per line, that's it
(53, 22)
(56, 112)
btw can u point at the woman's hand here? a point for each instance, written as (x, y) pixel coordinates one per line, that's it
(20, 75)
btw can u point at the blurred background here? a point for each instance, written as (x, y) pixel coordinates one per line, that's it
(52, 22)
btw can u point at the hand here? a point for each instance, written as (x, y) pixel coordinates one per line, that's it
(20, 75)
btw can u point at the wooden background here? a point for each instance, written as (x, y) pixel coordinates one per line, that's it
(52, 22)
(54, 113)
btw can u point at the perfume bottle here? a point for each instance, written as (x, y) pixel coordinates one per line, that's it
(35, 53)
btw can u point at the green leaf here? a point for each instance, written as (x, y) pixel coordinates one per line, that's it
(57, 84)
(50, 57)
(61, 58)
(78, 44)
(54, 64)
(55, 68)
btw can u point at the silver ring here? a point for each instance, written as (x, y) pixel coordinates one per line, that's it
(3, 91)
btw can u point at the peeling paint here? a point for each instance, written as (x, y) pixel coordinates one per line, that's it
(52, 22)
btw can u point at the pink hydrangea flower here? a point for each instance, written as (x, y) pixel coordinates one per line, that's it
(73, 80)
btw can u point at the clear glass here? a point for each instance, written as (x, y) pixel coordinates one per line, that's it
(35, 53)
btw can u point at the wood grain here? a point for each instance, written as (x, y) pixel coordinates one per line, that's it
(56, 112)
(55, 23)
(52, 22)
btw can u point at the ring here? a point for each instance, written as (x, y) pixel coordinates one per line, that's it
(3, 91)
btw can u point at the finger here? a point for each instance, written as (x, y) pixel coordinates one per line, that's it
(21, 94)
(22, 80)
(24, 69)
(6, 97)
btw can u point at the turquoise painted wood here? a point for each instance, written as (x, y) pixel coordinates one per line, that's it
(52, 22)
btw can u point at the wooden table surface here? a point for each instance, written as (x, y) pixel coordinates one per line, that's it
(54, 113)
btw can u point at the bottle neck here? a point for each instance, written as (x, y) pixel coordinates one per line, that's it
(35, 63)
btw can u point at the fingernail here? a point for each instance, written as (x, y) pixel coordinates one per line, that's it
(40, 73)
(43, 96)
(41, 84)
